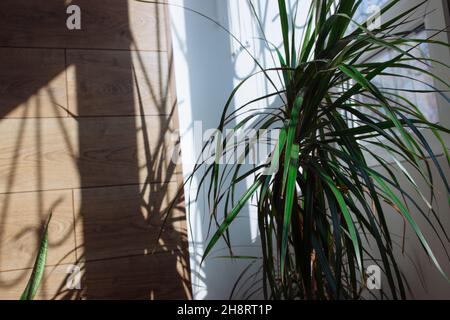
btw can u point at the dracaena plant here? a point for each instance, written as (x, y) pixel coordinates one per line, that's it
(324, 215)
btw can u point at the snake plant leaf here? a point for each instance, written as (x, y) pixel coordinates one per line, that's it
(39, 267)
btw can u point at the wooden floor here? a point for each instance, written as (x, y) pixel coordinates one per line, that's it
(88, 128)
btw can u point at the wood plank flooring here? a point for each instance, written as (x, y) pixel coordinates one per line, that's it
(88, 128)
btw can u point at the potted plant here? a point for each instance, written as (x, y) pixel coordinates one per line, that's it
(323, 216)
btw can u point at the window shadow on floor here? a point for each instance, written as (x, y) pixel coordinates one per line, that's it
(92, 125)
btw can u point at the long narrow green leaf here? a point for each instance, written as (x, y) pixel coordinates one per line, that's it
(292, 129)
(285, 29)
(289, 202)
(39, 267)
(230, 218)
(412, 222)
(347, 216)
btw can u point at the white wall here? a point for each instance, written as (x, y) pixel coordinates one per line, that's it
(202, 78)
(208, 65)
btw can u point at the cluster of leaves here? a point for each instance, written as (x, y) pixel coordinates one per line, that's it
(325, 204)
